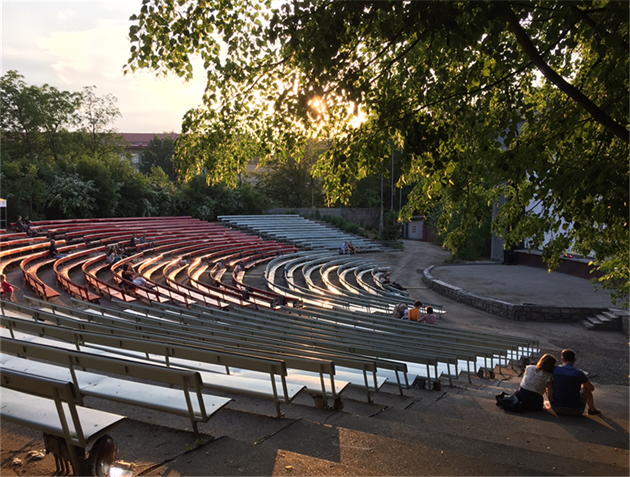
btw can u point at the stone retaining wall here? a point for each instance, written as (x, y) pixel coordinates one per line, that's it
(511, 311)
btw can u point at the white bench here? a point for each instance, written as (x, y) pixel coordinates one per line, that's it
(213, 365)
(49, 405)
(188, 401)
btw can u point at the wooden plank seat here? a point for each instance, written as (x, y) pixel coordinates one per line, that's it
(498, 349)
(77, 228)
(51, 406)
(264, 343)
(30, 266)
(123, 236)
(61, 225)
(90, 270)
(276, 299)
(230, 291)
(310, 362)
(8, 244)
(196, 294)
(270, 381)
(328, 300)
(258, 296)
(62, 269)
(318, 296)
(367, 346)
(12, 257)
(189, 401)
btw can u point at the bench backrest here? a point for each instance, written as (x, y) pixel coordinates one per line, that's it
(186, 379)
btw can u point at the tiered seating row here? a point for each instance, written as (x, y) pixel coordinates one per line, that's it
(168, 239)
(285, 274)
(304, 234)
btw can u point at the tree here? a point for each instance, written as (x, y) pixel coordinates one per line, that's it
(444, 81)
(72, 195)
(34, 119)
(159, 153)
(96, 115)
(290, 182)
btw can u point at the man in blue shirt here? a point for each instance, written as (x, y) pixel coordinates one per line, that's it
(572, 389)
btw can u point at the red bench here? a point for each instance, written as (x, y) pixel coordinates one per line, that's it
(62, 269)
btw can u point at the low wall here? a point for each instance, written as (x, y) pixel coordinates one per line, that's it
(511, 311)
(571, 266)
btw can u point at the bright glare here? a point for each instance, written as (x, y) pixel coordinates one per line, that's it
(358, 119)
(317, 104)
(115, 471)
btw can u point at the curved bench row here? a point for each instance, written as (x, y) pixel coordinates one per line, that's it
(303, 233)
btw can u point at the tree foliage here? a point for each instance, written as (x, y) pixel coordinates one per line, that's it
(290, 182)
(50, 171)
(443, 80)
(159, 153)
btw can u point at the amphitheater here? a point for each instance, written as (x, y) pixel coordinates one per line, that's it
(254, 347)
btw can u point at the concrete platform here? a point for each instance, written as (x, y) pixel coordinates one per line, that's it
(523, 284)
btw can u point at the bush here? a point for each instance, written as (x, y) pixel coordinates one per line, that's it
(346, 225)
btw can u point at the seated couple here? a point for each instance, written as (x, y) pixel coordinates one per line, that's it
(567, 387)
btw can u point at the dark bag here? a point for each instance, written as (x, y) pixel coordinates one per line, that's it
(509, 402)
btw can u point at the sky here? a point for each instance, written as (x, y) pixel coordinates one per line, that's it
(73, 44)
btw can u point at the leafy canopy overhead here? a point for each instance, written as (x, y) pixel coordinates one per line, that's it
(526, 99)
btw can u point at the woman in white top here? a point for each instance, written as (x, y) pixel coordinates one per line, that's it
(537, 380)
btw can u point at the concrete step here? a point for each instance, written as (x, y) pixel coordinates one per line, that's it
(605, 321)
(467, 422)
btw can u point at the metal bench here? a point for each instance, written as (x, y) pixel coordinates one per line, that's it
(188, 401)
(268, 382)
(49, 405)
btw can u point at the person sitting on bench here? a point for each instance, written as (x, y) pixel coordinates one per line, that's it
(414, 314)
(143, 240)
(53, 252)
(22, 226)
(429, 318)
(131, 246)
(130, 275)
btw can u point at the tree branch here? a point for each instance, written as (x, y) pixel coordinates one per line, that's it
(590, 22)
(600, 116)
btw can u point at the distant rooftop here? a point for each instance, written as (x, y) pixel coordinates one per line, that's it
(142, 140)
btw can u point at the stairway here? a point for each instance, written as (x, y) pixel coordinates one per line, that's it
(606, 321)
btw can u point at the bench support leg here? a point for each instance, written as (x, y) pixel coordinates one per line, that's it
(65, 454)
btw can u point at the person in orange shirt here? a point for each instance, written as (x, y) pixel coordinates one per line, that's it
(414, 313)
